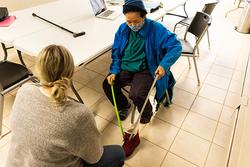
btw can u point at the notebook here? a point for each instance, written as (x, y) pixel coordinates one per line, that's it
(7, 21)
(101, 11)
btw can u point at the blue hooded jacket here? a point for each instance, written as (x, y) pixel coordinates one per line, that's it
(161, 48)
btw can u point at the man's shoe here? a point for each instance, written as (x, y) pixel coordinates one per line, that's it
(146, 119)
(124, 112)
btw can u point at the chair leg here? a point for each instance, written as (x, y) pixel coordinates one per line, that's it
(198, 51)
(196, 71)
(1, 113)
(175, 26)
(208, 39)
(19, 53)
(167, 98)
(76, 93)
(5, 50)
(189, 63)
(133, 114)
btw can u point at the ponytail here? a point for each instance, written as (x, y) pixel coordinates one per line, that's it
(55, 69)
(59, 88)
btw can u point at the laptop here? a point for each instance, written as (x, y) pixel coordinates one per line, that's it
(101, 11)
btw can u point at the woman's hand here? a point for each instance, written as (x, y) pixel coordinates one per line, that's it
(111, 78)
(160, 71)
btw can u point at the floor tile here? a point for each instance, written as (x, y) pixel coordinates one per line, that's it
(112, 135)
(6, 121)
(96, 84)
(179, 67)
(5, 140)
(238, 76)
(226, 61)
(207, 108)
(222, 71)
(89, 96)
(188, 85)
(200, 126)
(106, 57)
(98, 66)
(191, 148)
(78, 85)
(205, 61)
(241, 64)
(84, 76)
(4, 154)
(183, 98)
(217, 81)
(104, 109)
(233, 100)
(222, 135)
(235, 87)
(174, 114)
(8, 102)
(101, 123)
(213, 93)
(174, 161)
(228, 115)
(160, 133)
(146, 155)
(216, 157)
(190, 73)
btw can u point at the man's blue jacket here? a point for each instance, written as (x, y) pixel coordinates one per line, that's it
(161, 48)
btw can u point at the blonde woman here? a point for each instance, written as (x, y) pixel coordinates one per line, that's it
(48, 129)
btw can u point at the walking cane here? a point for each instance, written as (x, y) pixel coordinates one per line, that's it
(116, 110)
(74, 34)
(131, 140)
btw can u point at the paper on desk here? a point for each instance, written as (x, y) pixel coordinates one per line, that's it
(8, 21)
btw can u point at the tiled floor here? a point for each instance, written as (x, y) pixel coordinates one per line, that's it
(195, 130)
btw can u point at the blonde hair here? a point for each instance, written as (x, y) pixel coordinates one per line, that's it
(55, 69)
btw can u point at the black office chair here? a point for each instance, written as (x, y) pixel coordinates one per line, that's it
(198, 28)
(12, 75)
(208, 9)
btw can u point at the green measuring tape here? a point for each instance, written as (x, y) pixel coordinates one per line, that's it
(116, 110)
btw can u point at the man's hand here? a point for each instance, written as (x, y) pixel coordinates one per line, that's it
(111, 78)
(160, 71)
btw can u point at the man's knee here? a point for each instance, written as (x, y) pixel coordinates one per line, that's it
(137, 96)
(105, 84)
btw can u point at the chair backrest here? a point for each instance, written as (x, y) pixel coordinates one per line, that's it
(199, 25)
(209, 7)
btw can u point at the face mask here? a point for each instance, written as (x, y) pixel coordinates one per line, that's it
(137, 27)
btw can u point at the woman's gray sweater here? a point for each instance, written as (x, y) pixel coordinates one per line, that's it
(45, 135)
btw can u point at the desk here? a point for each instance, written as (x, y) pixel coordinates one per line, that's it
(98, 38)
(58, 12)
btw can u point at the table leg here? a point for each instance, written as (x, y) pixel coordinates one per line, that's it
(5, 50)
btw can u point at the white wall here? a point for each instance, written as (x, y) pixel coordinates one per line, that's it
(13, 5)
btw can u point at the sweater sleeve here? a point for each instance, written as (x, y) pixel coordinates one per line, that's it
(87, 143)
(170, 46)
